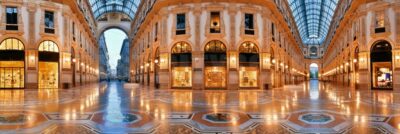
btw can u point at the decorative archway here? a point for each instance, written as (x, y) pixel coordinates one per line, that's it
(181, 64)
(314, 71)
(381, 65)
(249, 60)
(48, 72)
(12, 68)
(215, 65)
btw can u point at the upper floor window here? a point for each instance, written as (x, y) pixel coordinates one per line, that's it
(73, 31)
(11, 18)
(249, 24)
(380, 20)
(48, 22)
(155, 31)
(180, 24)
(215, 22)
(273, 31)
(380, 23)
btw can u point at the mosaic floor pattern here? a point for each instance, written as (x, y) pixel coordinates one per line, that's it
(311, 107)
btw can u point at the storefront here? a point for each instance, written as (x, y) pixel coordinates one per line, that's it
(48, 65)
(215, 65)
(12, 72)
(381, 65)
(181, 65)
(249, 60)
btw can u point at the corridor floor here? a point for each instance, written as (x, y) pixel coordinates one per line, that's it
(312, 107)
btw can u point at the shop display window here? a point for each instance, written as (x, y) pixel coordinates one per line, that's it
(215, 77)
(182, 77)
(48, 75)
(248, 77)
(382, 75)
(12, 74)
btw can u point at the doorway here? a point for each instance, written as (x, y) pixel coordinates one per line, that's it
(381, 65)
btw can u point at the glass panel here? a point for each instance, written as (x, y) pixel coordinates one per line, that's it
(215, 77)
(215, 22)
(248, 77)
(12, 15)
(382, 75)
(2, 78)
(48, 75)
(180, 21)
(249, 21)
(181, 77)
(49, 19)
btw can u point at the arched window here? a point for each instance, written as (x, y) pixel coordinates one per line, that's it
(248, 47)
(215, 46)
(248, 65)
(215, 65)
(181, 47)
(48, 46)
(11, 44)
(181, 62)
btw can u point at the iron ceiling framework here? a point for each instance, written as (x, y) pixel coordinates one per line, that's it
(313, 18)
(128, 7)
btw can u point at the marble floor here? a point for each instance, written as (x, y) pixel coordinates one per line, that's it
(311, 107)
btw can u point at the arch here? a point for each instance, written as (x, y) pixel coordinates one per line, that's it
(215, 46)
(12, 44)
(248, 47)
(181, 47)
(48, 46)
(112, 26)
(381, 65)
(12, 63)
(203, 45)
(314, 69)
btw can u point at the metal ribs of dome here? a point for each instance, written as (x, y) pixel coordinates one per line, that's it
(313, 18)
(128, 7)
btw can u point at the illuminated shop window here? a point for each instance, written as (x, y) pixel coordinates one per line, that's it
(215, 22)
(181, 62)
(48, 46)
(381, 65)
(48, 65)
(249, 65)
(215, 64)
(182, 77)
(12, 73)
(11, 44)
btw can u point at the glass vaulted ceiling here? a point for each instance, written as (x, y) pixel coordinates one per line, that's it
(313, 18)
(100, 7)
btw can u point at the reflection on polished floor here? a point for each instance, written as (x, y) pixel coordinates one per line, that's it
(312, 107)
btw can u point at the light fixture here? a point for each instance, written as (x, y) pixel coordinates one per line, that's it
(141, 67)
(32, 57)
(355, 60)
(147, 64)
(156, 61)
(74, 60)
(273, 61)
(397, 57)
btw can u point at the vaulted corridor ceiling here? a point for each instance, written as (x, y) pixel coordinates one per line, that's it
(128, 7)
(313, 18)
